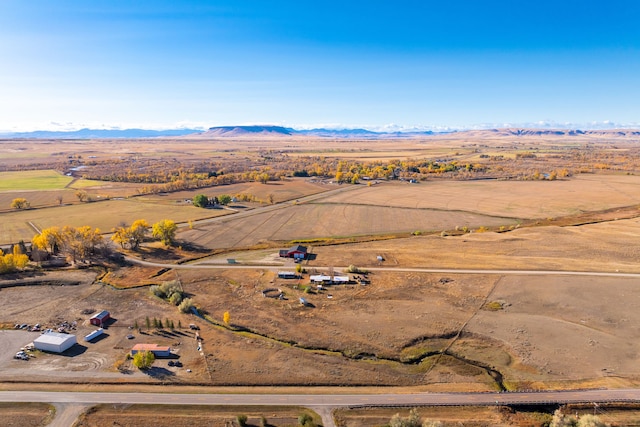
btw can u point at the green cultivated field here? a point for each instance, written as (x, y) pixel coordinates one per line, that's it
(33, 180)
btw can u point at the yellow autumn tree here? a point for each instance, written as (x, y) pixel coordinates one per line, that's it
(12, 262)
(20, 203)
(165, 230)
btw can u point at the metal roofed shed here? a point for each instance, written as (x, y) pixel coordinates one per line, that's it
(93, 335)
(54, 342)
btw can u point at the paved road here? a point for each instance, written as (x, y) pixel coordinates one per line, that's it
(330, 400)
(203, 264)
(325, 401)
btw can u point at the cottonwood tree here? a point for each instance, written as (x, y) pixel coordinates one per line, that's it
(201, 201)
(13, 261)
(131, 236)
(186, 305)
(225, 199)
(143, 360)
(83, 196)
(80, 243)
(20, 203)
(48, 240)
(226, 317)
(165, 230)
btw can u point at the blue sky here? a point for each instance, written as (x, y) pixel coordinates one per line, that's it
(375, 64)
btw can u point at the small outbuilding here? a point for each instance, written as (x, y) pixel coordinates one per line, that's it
(54, 342)
(100, 318)
(157, 350)
(93, 335)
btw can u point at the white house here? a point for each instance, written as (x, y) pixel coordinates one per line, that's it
(54, 342)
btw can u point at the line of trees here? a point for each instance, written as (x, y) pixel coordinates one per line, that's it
(78, 244)
(82, 244)
(133, 236)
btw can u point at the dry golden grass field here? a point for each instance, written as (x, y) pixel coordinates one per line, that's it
(25, 414)
(420, 330)
(172, 416)
(616, 415)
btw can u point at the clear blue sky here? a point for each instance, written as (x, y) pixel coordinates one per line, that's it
(304, 63)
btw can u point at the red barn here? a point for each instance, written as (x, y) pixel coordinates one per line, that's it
(100, 318)
(296, 252)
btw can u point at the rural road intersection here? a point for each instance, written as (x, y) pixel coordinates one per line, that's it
(323, 403)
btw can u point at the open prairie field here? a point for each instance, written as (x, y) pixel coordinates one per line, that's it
(428, 207)
(606, 246)
(513, 199)
(450, 416)
(104, 215)
(612, 414)
(483, 331)
(26, 414)
(187, 416)
(318, 220)
(454, 331)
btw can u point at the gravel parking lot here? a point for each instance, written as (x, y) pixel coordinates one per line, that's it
(12, 341)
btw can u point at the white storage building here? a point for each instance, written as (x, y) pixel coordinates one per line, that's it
(93, 335)
(54, 342)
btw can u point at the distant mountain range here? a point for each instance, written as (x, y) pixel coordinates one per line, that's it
(99, 133)
(279, 131)
(248, 131)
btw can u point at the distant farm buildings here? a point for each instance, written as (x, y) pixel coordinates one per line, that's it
(100, 318)
(54, 342)
(295, 252)
(157, 350)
